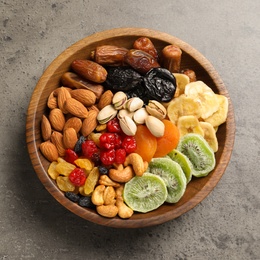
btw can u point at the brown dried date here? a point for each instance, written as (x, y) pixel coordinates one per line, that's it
(141, 61)
(109, 55)
(89, 70)
(190, 73)
(72, 80)
(172, 58)
(145, 44)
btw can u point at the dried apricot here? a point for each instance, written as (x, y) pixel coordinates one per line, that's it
(169, 140)
(146, 143)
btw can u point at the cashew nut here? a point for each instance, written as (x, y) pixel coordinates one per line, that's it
(105, 180)
(108, 211)
(123, 210)
(121, 174)
(109, 195)
(97, 197)
(139, 166)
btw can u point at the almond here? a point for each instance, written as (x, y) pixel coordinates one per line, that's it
(105, 99)
(52, 101)
(73, 122)
(89, 123)
(57, 119)
(76, 108)
(63, 95)
(45, 128)
(86, 97)
(49, 151)
(57, 140)
(70, 138)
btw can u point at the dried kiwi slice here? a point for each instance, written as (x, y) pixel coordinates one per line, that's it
(200, 154)
(173, 176)
(145, 193)
(183, 161)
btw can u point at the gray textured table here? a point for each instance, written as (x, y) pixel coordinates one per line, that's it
(226, 225)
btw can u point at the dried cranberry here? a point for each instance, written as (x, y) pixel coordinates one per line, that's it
(89, 148)
(70, 156)
(107, 157)
(120, 155)
(113, 126)
(129, 144)
(107, 140)
(118, 141)
(77, 177)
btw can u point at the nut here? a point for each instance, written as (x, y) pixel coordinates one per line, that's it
(121, 174)
(89, 123)
(155, 126)
(85, 96)
(70, 138)
(76, 108)
(155, 108)
(57, 140)
(57, 119)
(45, 128)
(127, 125)
(134, 103)
(73, 122)
(49, 151)
(106, 114)
(52, 101)
(119, 100)
(105, 99)
(109, 195)
(63, 95)
(97, 196)
(140, 115)
(124, 112)
(139, 166)
(108, 211)
(105, 180)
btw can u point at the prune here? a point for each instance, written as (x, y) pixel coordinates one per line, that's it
(85, 201)
(78, 146)
(140, 92)
(72, 196)
(122, 79)
(160, 84)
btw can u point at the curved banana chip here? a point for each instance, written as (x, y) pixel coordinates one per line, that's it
(210, 135)
(189, 124)
(183, 106)
(200, 92)
(220, 116)
(181, 81)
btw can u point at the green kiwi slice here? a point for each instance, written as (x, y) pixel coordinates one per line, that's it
(183, 161)
(200, 154)
(173, 176)
(145, 193)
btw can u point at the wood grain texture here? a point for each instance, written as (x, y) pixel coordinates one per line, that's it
(196, 190)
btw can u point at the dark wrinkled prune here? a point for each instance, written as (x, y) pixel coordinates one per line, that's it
(122, 79)
(78, 145)
(140, 92)
(85, 201)
(160, 84)
(102, 170)
(72, 196)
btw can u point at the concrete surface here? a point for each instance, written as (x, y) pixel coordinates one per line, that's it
(226, 225)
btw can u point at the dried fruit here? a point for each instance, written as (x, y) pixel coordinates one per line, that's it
(172, 58)
(145, 44)
(91, 181)
(77, 177)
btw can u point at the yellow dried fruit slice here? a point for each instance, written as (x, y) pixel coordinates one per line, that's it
(64, 184)
(85, 164)
(189, 124)
(65, 168)
(210, 135)
(52, 170)
(91, 181)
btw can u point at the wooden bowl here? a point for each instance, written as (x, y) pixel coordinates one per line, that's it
(196, 190)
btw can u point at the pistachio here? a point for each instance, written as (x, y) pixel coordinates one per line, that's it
(127, 125)
(124, 112)
(105, 114)
(140, 116)
(155, 108)
(119, 100)
(134, 103)
(155, 126)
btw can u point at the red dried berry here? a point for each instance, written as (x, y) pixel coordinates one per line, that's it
(120, 155)
(77, 177)
(107, 141)
(113, 126)
(89, 148)
(129, 144)
(70, 156)
(107, 157)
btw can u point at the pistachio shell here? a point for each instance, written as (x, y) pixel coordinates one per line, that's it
(127, 125)
(155, 126)
(140, 116)
(155, 108)
(134, 103)
(105, 114)
(119, 100)
(124, 112)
